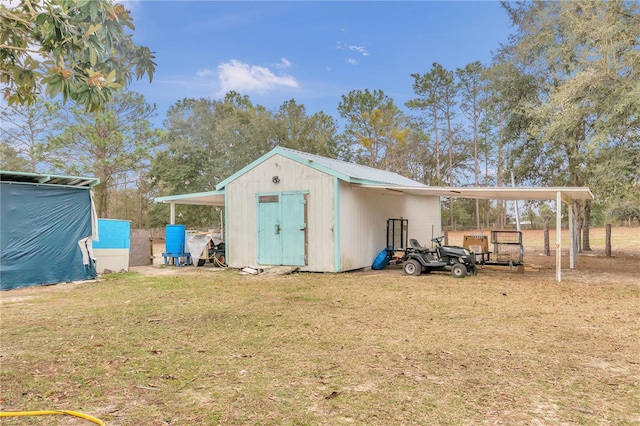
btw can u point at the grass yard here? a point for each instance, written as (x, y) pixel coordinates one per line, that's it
(197, 346)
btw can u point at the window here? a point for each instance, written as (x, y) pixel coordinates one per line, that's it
(268, 199)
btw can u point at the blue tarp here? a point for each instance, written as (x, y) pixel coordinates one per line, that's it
(41, 226)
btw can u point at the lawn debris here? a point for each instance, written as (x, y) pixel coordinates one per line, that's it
(147, 387)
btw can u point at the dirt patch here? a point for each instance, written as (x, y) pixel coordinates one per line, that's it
(161, 270)
(591, 266)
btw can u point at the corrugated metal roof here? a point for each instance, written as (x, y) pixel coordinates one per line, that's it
(47, 179)
(349, 172)
(355, 171)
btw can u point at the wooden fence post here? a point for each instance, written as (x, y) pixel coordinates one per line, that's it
(547, 249)
(607, 240)
(579, 237)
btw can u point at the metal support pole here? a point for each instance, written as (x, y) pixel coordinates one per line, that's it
(222, 224)
(515, 203)
(572, 238)
(558, 236)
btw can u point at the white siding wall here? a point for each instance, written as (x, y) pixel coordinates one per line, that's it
(242, 209)
(363, 221)
(363, 224)
(425, 221)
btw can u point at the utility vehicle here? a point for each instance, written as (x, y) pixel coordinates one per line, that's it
(419, 259)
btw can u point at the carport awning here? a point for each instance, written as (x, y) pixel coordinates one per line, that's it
(216, 198)
(565, 194)
(493, 193)
(211, 198)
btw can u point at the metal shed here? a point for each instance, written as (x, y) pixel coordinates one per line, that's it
(298, 209)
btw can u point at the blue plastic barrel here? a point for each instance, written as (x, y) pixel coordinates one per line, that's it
(382, 260)
(174, 238)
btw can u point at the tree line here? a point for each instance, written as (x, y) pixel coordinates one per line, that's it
(558, 106)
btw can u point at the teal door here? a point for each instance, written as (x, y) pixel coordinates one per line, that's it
(281, 229)
(269, 230)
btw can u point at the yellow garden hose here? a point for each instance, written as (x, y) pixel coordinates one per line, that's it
(52, 412)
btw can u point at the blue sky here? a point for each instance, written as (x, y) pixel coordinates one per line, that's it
(313, 52)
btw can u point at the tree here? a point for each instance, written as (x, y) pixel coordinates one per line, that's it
(470, 79)
(627, 210)
(509, 95)
(243, 131)
(375, 126)
(206, 142)
(209, 140)
(77, 48)
(429, 89)
(414, 159)
(437, 91)
(182, 164)
(314, 134)
(132, 199)
(449, 93)
(115, 143)
(26, 129)
(10, 159)
(584, 58)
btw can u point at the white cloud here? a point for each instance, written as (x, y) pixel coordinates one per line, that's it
(246, 78)
(351, 61)
(283, 64)
(354, 48)
(359, 49)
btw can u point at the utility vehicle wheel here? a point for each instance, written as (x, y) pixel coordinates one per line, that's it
(412, 267)
(458, 270)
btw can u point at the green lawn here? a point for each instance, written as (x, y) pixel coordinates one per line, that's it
(205, 348)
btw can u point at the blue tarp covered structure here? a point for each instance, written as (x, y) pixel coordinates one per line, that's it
(44, 230)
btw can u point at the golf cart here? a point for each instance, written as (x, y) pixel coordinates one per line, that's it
(416, 259)
(419, 259)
